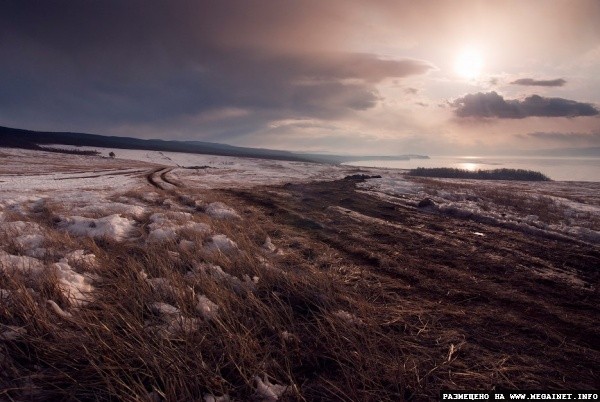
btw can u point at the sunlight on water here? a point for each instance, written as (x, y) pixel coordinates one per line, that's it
(470, 166)
(569, 169)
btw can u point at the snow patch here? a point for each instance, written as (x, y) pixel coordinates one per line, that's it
(391, 185)
(206, 307)
(30, 241)
(20, 228)
(167, 226)
(269, 246)
(81, 258)
(349, 318)
(111, 208)
(114, 226)
(9, 262)
(217, 273)
(57, 310)
(221, 243)
(267, 391)
(75, 287)
(174, 322)
(220, 210)
(161, 235)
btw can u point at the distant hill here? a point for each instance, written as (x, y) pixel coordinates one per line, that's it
(13, 137)
(28, 139)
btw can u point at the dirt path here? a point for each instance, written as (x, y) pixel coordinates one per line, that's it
(159, 178)
(523, 309)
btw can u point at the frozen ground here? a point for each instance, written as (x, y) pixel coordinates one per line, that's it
(210, 171)
(138, 196)
(567, 208)
(427, 240)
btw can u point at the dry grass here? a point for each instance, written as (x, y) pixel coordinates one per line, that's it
(315, 321)
(508, 200)
(286, 327)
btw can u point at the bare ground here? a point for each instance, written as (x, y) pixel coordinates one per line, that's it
(479, 306)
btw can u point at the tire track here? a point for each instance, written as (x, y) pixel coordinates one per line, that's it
(158, 178)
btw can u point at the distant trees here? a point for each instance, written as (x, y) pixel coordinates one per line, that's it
(112, 154)
(495, 174)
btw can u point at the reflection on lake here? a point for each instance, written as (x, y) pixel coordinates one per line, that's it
(571, 169)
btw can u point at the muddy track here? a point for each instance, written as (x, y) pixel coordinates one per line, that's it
(158, 178)
(507, 293)
(168, 180)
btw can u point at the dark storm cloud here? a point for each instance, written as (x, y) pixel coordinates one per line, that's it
(559, 82)
(126, 62)
(491, 104)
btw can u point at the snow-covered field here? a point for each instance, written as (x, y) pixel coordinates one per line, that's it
(96, 197)
(210, 171)
(54, 207)
(100, 196)
(565, 208)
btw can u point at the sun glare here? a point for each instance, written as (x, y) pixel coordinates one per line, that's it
(469, 63)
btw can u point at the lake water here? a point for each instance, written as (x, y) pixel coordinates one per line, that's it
(569, 169)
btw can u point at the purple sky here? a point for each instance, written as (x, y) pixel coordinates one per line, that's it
(352, 76)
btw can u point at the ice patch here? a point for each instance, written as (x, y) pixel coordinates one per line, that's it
(113, 226)
(221, 211)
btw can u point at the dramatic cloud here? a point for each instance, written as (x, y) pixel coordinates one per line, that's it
(136, 62)
(491, 104)
(226, 71)
(559, 82)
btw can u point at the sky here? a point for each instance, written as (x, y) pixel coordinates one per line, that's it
(380, 77)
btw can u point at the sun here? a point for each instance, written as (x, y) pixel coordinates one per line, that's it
(469, 63)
